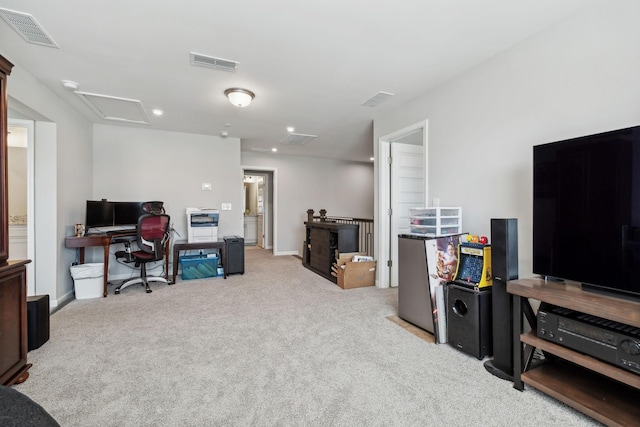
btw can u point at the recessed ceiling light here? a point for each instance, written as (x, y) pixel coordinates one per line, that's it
(371, 159)
(290, 129)
(274, 150)
(157, 112)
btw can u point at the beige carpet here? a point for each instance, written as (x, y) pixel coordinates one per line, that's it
(277, 346)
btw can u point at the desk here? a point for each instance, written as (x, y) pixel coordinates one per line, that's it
(104, 240)
(183, 245)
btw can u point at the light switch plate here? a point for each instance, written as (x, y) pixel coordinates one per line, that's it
(206, 186)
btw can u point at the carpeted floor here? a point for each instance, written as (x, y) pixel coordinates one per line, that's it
(277, 346)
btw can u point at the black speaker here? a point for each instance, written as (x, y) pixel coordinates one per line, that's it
(37, 321)
(234, 253)
(469, 320)
(504, 263)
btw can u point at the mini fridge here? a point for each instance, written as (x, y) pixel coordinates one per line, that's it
(414, 295)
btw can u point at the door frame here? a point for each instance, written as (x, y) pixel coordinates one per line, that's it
(383, 228)
(274, 188)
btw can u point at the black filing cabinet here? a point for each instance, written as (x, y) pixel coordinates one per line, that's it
(234, 252)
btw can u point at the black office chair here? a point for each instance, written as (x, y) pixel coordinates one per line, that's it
(153, 233)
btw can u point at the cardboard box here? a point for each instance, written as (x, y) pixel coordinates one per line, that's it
(355, 274)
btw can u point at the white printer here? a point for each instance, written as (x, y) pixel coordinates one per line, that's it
(202, 225)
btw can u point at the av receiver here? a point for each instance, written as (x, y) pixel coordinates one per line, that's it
(603, 339)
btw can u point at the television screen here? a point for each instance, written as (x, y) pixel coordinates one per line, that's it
(586, 210)
(99, 213)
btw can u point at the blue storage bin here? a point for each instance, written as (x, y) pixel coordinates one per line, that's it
(198, 266)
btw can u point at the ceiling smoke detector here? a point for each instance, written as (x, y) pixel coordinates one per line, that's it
(70, 84)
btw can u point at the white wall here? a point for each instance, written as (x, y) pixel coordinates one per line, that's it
(342, 188)
(575, 78)
(137, 164)
(63, 176)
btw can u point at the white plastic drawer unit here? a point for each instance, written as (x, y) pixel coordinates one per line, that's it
(435, 221)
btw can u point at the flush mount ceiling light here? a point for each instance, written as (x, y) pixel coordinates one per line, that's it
(239, 97)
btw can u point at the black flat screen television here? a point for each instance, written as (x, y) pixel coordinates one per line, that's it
(586, 211)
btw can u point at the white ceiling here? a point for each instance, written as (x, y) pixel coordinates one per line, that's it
(310, 63)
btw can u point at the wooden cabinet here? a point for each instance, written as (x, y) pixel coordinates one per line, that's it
(322, 241)
(13, 323)
(601, 390)
(13, 284)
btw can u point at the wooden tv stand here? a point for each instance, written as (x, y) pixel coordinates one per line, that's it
(600, 390)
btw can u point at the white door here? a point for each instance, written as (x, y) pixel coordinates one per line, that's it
(407, 191)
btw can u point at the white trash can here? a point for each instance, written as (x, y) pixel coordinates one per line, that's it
(88, 280)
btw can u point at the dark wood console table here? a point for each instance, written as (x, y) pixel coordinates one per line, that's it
(323, 239)
(600, 390)
(183, 245)
(104, 240)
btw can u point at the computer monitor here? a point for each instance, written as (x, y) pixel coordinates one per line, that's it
(127, 213)
(99, 213)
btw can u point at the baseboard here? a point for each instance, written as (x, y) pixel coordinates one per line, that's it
(286, 253)
(57, 304)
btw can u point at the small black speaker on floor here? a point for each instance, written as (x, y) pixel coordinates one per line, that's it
(469, 320)
(37, 321)
(504, 263)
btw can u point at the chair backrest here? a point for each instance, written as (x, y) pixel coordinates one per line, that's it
(153, 230)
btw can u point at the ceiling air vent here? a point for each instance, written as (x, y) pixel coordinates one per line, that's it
(297, 139)
(377, 99)
(28, 28)
(211, 62)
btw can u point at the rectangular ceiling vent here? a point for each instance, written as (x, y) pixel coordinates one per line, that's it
(28, 28)
(297, 139)
(114, 108)
(377, 99)
(211, 62)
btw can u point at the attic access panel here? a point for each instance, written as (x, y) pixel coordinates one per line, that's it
(114, 108)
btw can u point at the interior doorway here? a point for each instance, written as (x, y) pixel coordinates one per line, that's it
(402, 184)
(20, 171)
(260, 207)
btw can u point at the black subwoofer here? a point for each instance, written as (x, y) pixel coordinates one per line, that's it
(504, 263)
(469, 320)
(37, 321)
